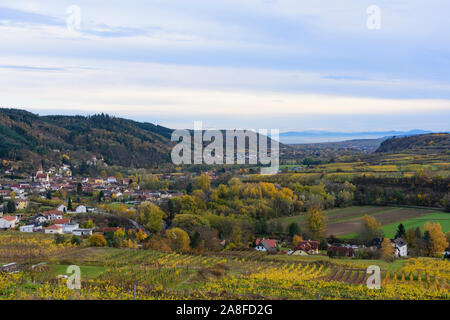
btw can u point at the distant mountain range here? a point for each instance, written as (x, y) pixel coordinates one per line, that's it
(318, 136)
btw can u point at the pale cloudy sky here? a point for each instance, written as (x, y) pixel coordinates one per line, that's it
(287, 64)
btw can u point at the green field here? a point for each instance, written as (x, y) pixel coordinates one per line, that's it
(346, 222)
(439, 217)
(87, 272)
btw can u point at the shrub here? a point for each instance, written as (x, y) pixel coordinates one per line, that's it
(97, 240)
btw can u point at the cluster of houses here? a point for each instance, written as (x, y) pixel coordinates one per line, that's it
(52, 218)
(309, 247)
(60, 179)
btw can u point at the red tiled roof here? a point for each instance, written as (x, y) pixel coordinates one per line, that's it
(307, 245)
(53, 227)
(9, 218)
(270, 242)
(50, 212)
(62, 221)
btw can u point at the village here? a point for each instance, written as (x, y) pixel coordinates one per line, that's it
(62, 219)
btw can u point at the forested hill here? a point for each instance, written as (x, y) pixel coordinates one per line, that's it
(424, 143)
(27, 136)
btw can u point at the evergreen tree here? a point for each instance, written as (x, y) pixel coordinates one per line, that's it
(293, 229)
(401, 232)
(11, 206)
(79, 188)
(69, 204)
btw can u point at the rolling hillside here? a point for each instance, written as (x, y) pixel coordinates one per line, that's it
(27, 136)
(425, 143)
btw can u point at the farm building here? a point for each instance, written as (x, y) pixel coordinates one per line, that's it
(80, 209)
(61, 208)
(340, 251)
(82, 232)
(27, 228)
(53, 229)
(70, 227)
(266, 244)
(308, 246)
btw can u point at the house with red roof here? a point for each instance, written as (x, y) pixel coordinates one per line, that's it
(308, 246)
(266, 244)
(54, 229)
(8, 222)
(61, 221)
(338, 250)
(53, 215)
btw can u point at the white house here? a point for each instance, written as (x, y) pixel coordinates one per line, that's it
(61, 208)
(7, 222)
(82, 232)
(265, 244)
(53, 215)
(40, 218)
(401, 247)
(27, 228)
(80, 209)
(53, 229)
(70, 227)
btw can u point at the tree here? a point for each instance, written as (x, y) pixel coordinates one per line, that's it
(189, 188)
(11, 206)
(100, 196)
(293, 229)
(179, 239)
(401, 233)
(12, 195)
(76, 240)
(371, 229)
(151, 216)
(69, 204)
(97, 240)
(48, 195)
(203, 182)
(316, 222)
(140, 235)
(189, 222)
(79, 188)
(295, 240)
(119, 177)
(371, 223)
(119, 233)
(88, 224)
(387, 250)
(437, 241)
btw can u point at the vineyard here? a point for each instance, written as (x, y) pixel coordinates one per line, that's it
(146, 274)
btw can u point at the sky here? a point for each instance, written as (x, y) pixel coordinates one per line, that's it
(291, 65)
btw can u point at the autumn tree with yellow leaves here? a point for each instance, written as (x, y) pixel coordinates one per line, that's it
(387, 250)
(437, 241)
(179, 239)
(371, 229)
(316, 222)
